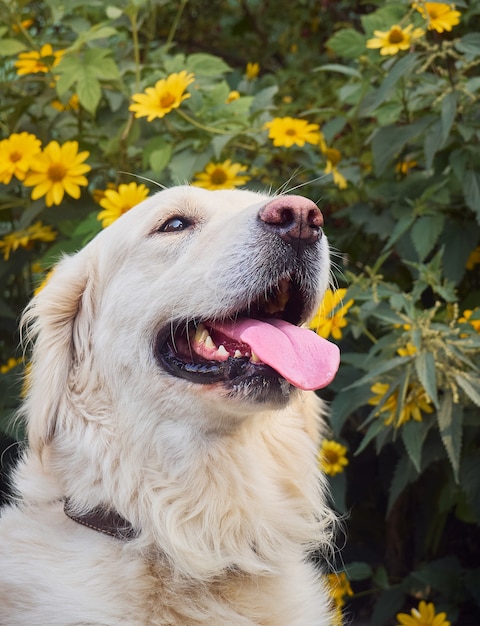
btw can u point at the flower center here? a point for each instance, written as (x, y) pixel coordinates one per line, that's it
(291, 132)
(167, 100)
(331, 457)
(56, 172)
(396, 36)
(15, 156)
(218, 176)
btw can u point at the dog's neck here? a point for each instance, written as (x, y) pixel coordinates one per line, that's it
(104, 521)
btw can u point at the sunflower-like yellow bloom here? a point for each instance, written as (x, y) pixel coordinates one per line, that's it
(56, 171)
(25, 238)
(423, 616)
(35, 62)
(396, 39)
(252, 71)
(440, 16)
(416, 402)
(473, 259)
(334, 157)
(289, 131)
(116, 202)
(409, 350)
(332, 457)
(224, 175)
(167, 94)
(330, 317)
(467, 314)
(16, 155)
(9, 365)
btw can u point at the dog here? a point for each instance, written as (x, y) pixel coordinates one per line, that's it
(171, 475)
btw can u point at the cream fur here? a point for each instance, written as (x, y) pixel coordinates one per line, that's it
(226, 491)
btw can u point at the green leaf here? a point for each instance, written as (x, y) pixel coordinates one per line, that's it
(450, 427)
(373, 430)
(347, 43)
(469, 45)
(449, 111)
(160, 157)
(426, 371)
(404, 474)
(413, 436)
(358, 570)
(384, 17)
(387, 142)
(471, 189)
(401, 227)
(381, 368)
(387, 605)
(470, 387)
(263, 100)
(444, 575)
(432, 143)
(11, 47)
(425, 233)
(341, 69)
(206, 64)
(403, 67)
(88, 90)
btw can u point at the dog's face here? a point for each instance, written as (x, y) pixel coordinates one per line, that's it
(194, 291)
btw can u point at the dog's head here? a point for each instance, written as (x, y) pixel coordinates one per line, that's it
(193, 294)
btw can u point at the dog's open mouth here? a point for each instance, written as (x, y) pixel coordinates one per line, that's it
(258, 344)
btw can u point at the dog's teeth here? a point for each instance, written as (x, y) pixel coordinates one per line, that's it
(237, 354)
(209, 343)
(222, 351)
(201, 334)
(254, 358)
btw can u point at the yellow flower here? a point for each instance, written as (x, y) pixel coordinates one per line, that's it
(404, 167)
(16, 154)
(252, 70)
(423, 616)
(467, 314)
(56, 171)
(473, 259)
(221, 176)
(395, 39)
(25, 238)
(72, 105)
(339, 587)
(332, 457)
(333, 157)
(287, 131)
(117, 202)
(233, 95)
(23, 24)
(440, 16)
(167, 94)
(35, 62)
(415, 402)
(330, 317)
(9, 365)
(409, 350)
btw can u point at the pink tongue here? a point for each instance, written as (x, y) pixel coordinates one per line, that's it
(302, 357)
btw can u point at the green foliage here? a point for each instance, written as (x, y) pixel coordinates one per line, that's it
(398, 176)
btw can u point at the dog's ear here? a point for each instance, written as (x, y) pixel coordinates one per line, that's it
(57, 323)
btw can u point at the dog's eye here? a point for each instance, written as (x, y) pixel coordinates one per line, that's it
(174, 225)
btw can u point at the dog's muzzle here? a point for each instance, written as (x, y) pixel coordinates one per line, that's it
(260, 342)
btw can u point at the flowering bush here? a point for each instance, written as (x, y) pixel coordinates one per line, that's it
(374, 113)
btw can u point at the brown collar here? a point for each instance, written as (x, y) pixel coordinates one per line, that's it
(104, 521)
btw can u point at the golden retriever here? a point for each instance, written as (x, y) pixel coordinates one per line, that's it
(171, 476)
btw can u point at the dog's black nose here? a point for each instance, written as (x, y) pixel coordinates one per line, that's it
(296, 220)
